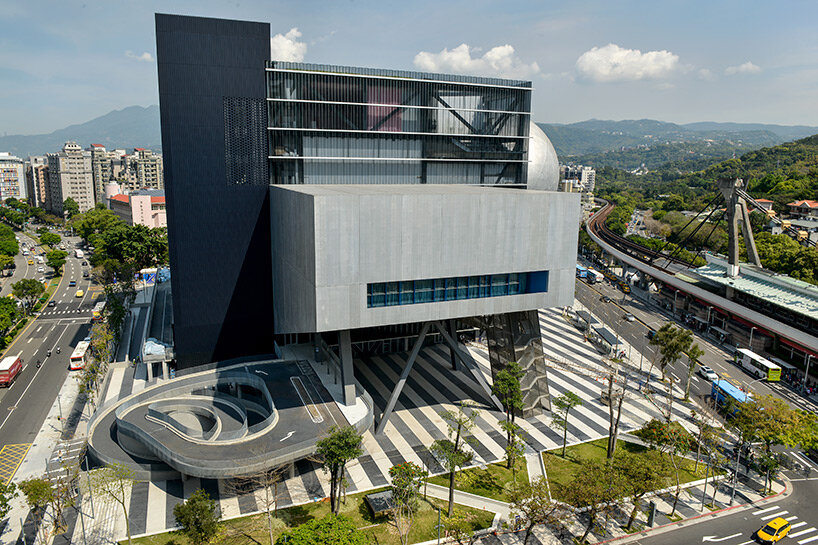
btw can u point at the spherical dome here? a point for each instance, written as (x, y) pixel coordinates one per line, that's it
(543, 165)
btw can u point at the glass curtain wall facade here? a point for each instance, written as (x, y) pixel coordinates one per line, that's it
(343, 125)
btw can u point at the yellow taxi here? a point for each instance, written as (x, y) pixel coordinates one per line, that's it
(80, 293)
(774, 531)
(31, 262)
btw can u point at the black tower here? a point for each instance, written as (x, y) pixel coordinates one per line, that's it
(213, 112)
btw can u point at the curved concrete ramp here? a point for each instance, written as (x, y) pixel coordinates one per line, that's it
(219, 423)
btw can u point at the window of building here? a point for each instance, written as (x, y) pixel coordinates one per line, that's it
(408, 292)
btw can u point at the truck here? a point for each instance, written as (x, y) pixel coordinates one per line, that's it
(78, 253)
(10, 367)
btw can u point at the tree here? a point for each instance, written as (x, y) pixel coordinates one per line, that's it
(672, 343)
(114, 482)
(267, 480)
(50, 239)
(56, 259)
(28, 290)
(406, 480)
(460, 528)
(451, 452)
(643, 473)
(616, 396)
(531, 501)
(563, 405)
(331, 530)
(693, 355)
(706, 432)
(70, 207)
(39, 495)
(7, 493)
(6, 261)
(515, 448)
(336, 449)
(198, 517)
(507, 389)
(671, 438)
(595, 485)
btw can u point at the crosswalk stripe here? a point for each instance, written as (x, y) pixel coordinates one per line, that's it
(808, 540)
(768, 517)
(798, 525)
(803, 532)
(767, 510)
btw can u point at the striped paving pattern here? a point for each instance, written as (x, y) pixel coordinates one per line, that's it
(415, 424)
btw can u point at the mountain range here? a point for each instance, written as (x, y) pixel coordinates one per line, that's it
(137, 126)
(599, 136)
(131, 127)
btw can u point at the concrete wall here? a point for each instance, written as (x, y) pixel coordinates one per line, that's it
(336, 239)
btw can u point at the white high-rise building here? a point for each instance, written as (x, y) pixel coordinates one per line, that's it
(588, 179)
(70, 174)
(12, 177)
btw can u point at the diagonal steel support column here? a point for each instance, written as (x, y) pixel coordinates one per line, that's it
(467, 363)
(402, 380)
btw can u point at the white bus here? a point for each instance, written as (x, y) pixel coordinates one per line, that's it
(79, 356)
(758, 366)
(78, 254)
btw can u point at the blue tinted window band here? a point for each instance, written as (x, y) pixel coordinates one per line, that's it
(410, 292)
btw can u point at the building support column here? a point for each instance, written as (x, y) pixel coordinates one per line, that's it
(402, 380)
(466, 363)
(347, 372)
(452, 354)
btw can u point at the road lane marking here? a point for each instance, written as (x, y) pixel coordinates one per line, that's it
(30, 339)
(767, 510)
(779, 514)
(714, 539)
(805, 459)
(802, 532)
(11, 456)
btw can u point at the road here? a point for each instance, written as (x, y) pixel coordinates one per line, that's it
(738, 528)
(24, 406)
(651, 317)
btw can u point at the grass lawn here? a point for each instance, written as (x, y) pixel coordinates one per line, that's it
(490, 481)
(561, 470)
(253, 530)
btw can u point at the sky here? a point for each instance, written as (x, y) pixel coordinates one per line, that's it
(69, 61)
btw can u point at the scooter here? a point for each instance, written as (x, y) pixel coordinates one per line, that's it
(38, 364)
(58, 350)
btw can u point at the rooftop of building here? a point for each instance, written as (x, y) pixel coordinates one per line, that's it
(807, 203)
(798, 296)
(764, 200)
(394, 189)
(331, 69)
(151, 192)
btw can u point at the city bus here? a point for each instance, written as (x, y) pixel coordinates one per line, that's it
(582, 272)
(79, 356)
(726, 394)
(758, 366)
(98, 313)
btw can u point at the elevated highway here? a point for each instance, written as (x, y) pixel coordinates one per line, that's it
(639, 258)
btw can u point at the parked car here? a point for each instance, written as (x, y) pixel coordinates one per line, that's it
(708, 373)
(629, 317)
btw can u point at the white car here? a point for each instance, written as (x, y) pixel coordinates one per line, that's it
(40, 270)
(708, 373)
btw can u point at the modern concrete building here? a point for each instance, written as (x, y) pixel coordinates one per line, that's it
(143, 207)
(70, 174)
(355, 205)
(101, 169)
(12, 177)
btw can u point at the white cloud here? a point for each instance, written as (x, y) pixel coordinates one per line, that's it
(614, 63)
(746, 68)
(706, 74)
(144, 57)
(286, 47)
(497, 61)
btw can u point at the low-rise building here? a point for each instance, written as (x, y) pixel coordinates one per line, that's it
(143, 207)
(804, 209)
